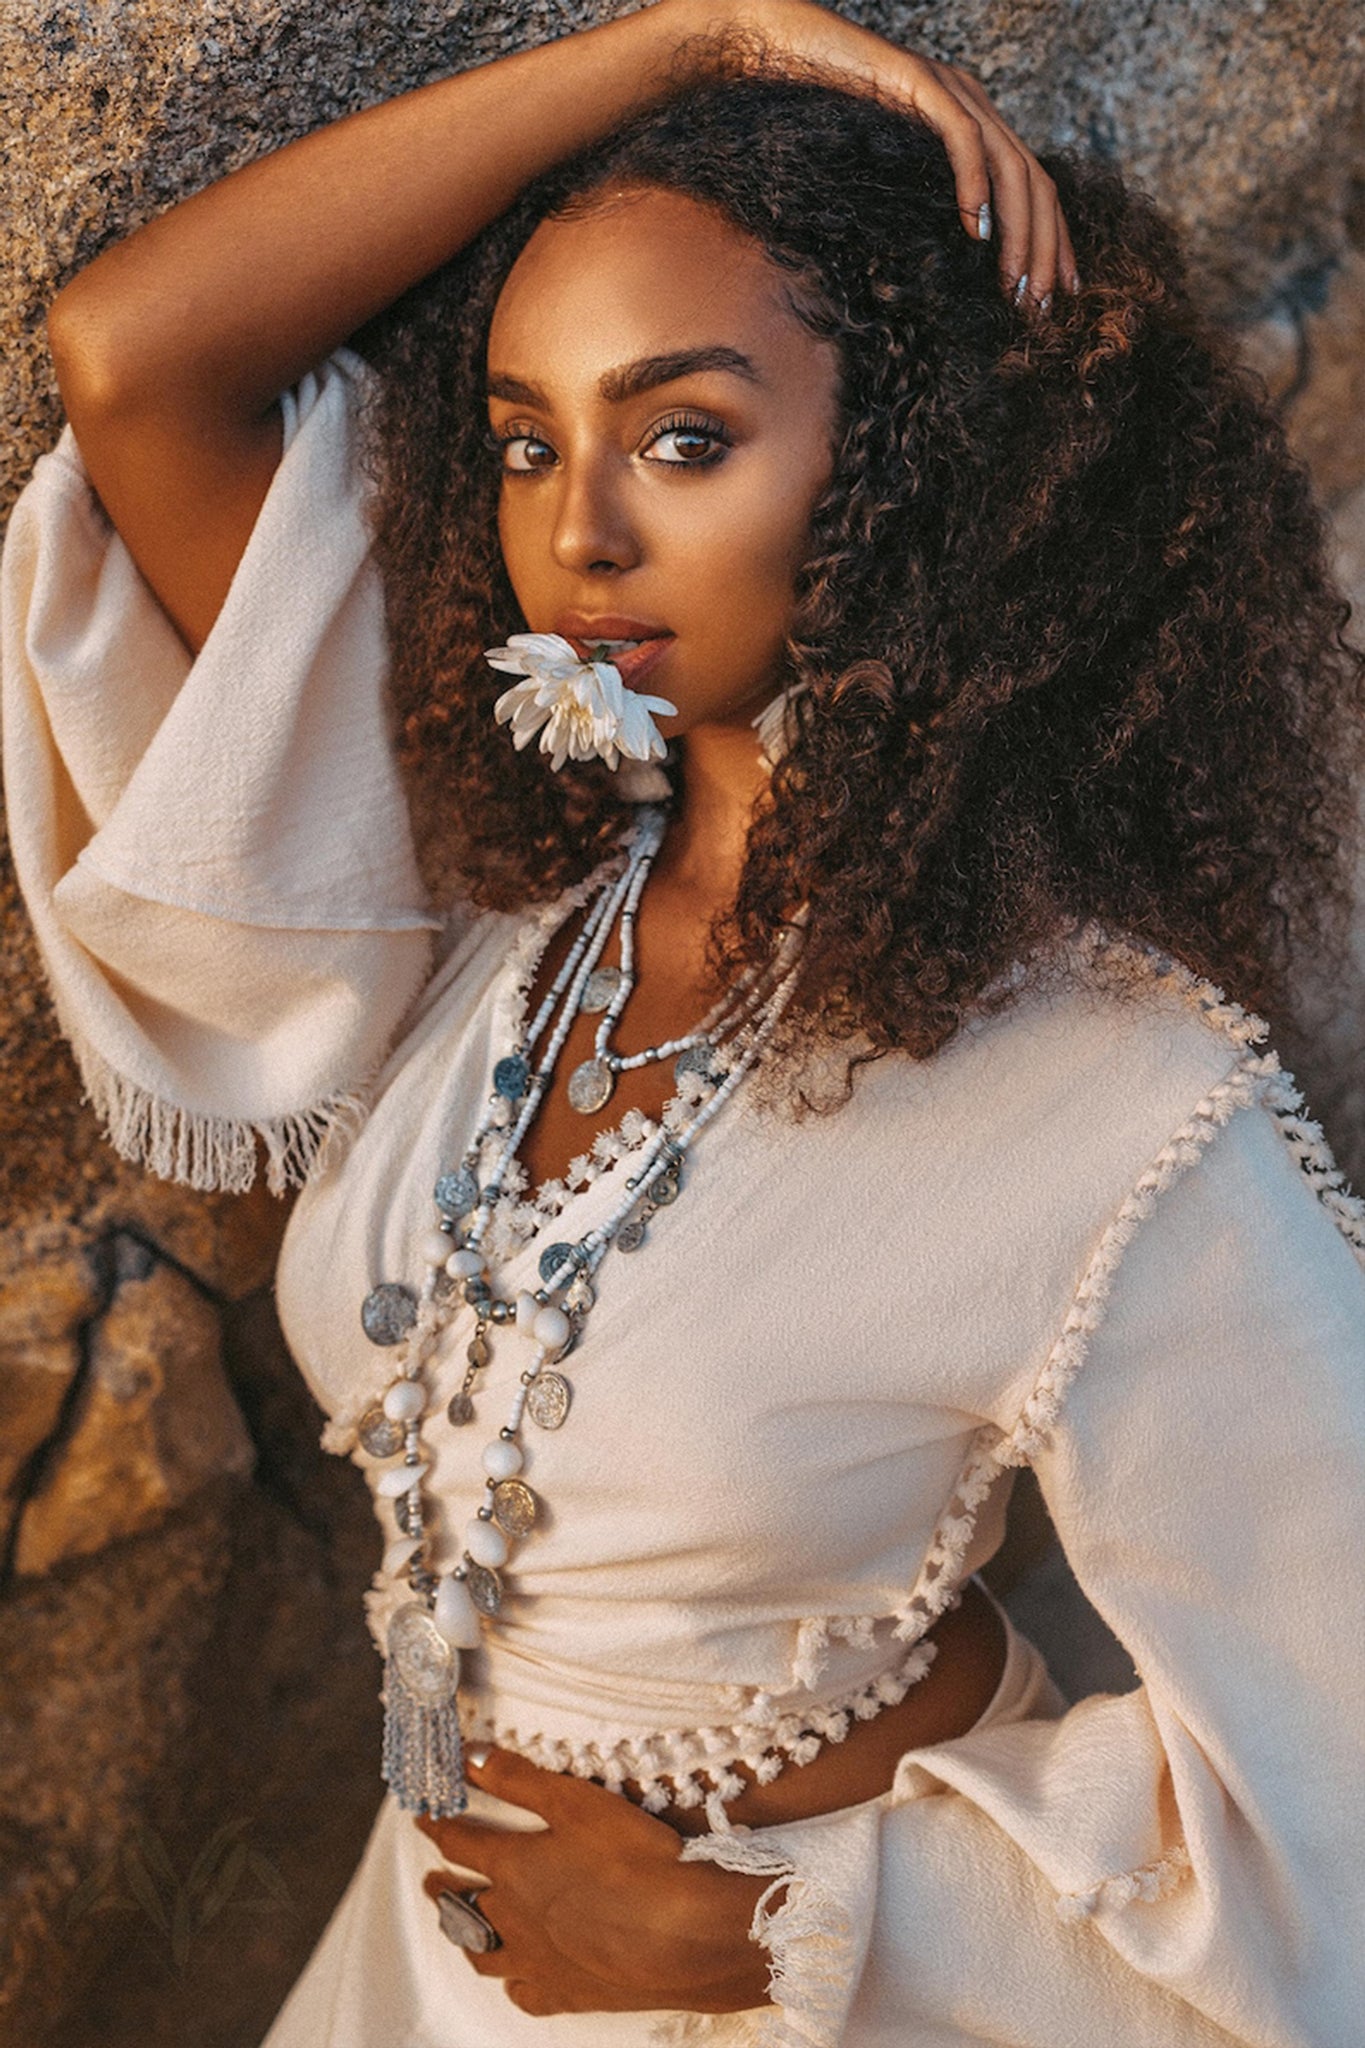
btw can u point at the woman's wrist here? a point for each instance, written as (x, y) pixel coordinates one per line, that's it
(700, 1922)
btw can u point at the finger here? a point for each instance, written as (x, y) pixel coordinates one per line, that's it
(1064, 271)
(494, 1962)
(471, 1844)
(1013, 205)
(437, 1881)
(957, 127)
(511, 1777)
(1043, 217)
(1068, 271)
(531, 1999)
(1008, 160)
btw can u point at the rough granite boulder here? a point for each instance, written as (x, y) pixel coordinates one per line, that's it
(188, 1722)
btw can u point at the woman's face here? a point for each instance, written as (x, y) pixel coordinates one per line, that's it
(666, 424)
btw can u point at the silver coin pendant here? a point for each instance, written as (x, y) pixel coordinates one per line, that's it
(601, 986)
(388, 1312)
(379, 1434)
(631, 1235)
(423, 1659)
(547, 1400)
(514, 1507)
(555, 1259)
(696, 1059)
(484, 1588)
(591, 1086)
(456, 1193)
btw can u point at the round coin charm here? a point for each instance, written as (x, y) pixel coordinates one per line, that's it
(514, 1507)
(547, 1400)
(484, 1588)
(459, 1409)
(664, 1190)
(696, 1059)
(425, 1662)
(510, 1076)
(455, 1194)
(600, 987)
(379, 1434)
(590, 1087)
(556, 1259)
(631, 1235)
(388, 1312)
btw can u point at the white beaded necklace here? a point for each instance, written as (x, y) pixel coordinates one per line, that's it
(422, 1754)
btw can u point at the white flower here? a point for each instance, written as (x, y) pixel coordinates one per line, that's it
(584, 708)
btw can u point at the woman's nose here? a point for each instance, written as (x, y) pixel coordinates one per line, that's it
(593, 529)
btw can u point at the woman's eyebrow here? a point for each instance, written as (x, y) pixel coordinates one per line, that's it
(628, 380)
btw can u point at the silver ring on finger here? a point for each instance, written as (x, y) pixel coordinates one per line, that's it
(463, 1923)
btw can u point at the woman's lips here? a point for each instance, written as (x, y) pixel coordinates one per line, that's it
(630, 663)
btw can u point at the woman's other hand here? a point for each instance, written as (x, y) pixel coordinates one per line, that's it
(595, 1913)
(1002, 189)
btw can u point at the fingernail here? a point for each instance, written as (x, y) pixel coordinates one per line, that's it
(1045, 303)
(1073, 283)
(983, 221)
(1020, 289)
(477, 1758)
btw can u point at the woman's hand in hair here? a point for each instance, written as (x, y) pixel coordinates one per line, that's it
(1002, 189)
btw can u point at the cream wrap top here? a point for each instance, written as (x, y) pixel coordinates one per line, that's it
(1097, 1234)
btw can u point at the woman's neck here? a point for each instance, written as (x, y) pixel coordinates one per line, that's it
(703, 852)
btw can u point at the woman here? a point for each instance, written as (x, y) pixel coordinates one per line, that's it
(1008, 700)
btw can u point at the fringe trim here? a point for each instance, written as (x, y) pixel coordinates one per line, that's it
(1184, 1149)
(813, 1638)
(937, 1585)
(1309, 1146)
(808, 1935)
(734, 2029)
(940, 1575)
(1153, 1881)
(695, 1767)
(1256, 1077)
(213, 1153)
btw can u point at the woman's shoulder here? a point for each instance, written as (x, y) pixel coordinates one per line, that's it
(1106, 1060)
(1120, 1019)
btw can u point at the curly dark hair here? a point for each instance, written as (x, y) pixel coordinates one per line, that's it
(1071, 647)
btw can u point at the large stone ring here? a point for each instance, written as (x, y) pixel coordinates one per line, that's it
(465, 1925)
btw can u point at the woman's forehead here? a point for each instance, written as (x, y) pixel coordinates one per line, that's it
(648, 273)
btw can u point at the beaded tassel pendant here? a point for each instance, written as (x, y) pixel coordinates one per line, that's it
(423, 1760)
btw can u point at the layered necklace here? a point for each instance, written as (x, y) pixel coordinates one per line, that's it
(422, 1760)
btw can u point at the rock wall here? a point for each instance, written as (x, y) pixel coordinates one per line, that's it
(187, 1696)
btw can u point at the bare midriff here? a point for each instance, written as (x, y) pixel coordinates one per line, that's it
(950, 1699)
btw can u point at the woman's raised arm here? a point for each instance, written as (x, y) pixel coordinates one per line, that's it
(173, 346)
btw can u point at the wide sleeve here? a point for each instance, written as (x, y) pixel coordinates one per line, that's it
(1181, 1865)
(215, 853)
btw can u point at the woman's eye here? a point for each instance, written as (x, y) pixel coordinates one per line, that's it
(522, 452)
(687, 444)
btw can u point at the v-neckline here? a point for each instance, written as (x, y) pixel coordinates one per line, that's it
(523, 1213)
